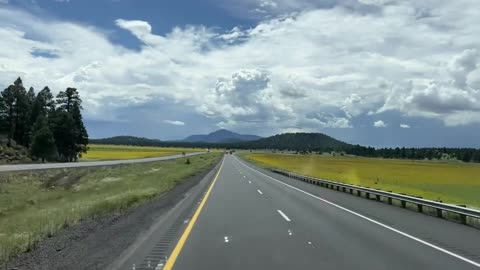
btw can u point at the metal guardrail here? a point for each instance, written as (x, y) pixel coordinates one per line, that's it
(462, 212)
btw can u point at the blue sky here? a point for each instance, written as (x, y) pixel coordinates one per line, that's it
(373, 72)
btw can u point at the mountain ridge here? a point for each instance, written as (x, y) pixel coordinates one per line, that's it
(221, 136)
(286, 141)
(298, 141)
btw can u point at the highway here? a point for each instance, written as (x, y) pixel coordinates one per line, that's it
(44, 166)
(250, 218)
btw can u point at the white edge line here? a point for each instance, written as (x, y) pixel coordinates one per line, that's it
(371, 220)
(259, 191)
(283, 215)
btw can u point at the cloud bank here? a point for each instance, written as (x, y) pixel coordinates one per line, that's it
(318, 67)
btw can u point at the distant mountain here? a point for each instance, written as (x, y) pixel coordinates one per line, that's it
(298, 142)
(226, 139)
(221, 136)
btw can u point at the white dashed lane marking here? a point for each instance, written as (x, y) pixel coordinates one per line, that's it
(283, 215)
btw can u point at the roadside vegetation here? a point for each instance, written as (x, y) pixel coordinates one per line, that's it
(113, 152)
(37, 204)
(451, 182)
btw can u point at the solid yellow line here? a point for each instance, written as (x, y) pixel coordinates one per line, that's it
(186, 233)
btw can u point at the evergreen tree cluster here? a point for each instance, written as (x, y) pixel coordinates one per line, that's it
(52, 128)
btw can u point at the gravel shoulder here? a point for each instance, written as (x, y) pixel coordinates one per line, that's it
(94, 243)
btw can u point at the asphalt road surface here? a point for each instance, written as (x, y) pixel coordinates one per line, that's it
(43, 166)
(250, 218)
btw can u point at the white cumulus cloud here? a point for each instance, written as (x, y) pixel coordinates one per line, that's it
(175, 122)
(404, 126)
(379, 124)
(322, 66)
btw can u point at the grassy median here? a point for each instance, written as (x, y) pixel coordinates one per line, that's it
(451, 182)
(36, 204)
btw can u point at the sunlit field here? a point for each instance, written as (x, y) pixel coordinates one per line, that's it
(112, 152)
(451, 182)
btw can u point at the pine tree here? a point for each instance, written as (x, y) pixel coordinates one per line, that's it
(467, 156)
(69, 102)
(43, 105)
(3, 121)
(43, 143)
(476, 155)
(81, 132)
(8, 111)
(66, 100)
(31, 95)
(22, 112)
(64, 132)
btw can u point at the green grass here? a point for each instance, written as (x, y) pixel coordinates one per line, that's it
(115, 152)
(451, 182)
(36, 204)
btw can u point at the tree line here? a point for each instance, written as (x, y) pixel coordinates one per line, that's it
(51, 128)
(304, 143)
(463, 154)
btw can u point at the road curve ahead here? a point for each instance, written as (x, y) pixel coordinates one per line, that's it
(254, 219)
(44, 166)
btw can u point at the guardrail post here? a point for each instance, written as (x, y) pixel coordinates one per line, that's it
(359, 193)
(420, 208)
(344, 189)
(389, 200)
(439, 213)
(404, 204)
(463, 219)
(351, 191)
(367, 195)
(378, 197)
